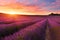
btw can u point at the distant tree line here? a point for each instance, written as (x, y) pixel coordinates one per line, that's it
(55, 14)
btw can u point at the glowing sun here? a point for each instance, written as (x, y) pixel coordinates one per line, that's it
(12, 12)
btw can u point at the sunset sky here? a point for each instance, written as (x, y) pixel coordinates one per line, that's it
(30, 7)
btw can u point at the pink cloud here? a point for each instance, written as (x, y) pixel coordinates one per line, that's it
(53, 7)
(56, 4)
(5, 2)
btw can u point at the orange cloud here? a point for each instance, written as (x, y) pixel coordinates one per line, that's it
(12, 5)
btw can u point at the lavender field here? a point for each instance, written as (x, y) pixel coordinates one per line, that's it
(23, 27)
